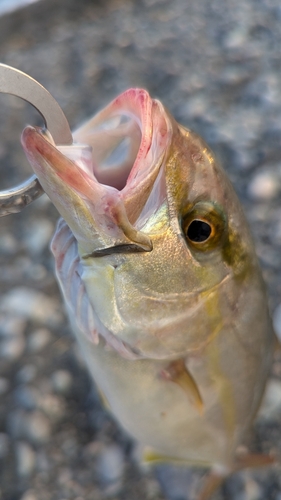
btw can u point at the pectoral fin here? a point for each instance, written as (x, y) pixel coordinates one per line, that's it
(178, 373)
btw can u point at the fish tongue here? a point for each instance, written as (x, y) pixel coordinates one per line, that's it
(94, 212)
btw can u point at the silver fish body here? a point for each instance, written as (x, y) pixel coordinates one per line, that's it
(160, 279)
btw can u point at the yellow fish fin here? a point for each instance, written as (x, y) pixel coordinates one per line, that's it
(178, 373)
(149, 456)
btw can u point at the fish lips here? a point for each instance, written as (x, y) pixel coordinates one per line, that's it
(102, 217)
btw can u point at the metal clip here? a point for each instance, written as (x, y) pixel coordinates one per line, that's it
(19, 84)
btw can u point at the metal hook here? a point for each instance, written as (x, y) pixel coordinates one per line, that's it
(19, 84)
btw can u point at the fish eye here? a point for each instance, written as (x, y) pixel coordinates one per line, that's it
(204, 226)
(198, 230)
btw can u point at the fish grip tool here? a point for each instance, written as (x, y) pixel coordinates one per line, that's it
(19, 84)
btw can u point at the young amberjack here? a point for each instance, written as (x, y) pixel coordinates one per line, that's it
(159, 274)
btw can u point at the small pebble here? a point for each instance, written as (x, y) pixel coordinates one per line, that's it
(29, 495)
(62, 381)
(25, 458)
(91, 450)
(42, 462)
(4, 385)
(32, 426)
(271, 404)
(26, 397)
(235, 38)
(37, 428)
(11, 348)
(4, 445)
(177, 482)
(38, 235)
(26, 374)
(197, 106)
(16, 424)
(36, 272)
(39, 339)
(234, 487)
(8, 244)
(233, 75)
(245, 159)
(11, 325)
(31, 304)
(69, 447)
(110, 468)
(264, 186)
(152, 488)
(64, 476)
(252, 489)
(52, 406)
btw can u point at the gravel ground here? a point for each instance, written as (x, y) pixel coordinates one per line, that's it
(216, 66)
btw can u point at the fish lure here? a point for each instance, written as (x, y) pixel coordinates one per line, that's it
(161, 282)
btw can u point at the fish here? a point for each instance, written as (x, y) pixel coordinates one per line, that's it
(161, 282)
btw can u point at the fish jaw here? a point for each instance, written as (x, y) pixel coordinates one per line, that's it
(103, 215)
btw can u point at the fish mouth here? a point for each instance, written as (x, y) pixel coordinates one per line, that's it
(108, 183)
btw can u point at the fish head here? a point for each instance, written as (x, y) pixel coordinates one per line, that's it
(154, 248)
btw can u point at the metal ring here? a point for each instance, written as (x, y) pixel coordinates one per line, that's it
(19, 84)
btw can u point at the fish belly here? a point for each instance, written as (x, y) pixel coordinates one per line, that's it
(157, 412)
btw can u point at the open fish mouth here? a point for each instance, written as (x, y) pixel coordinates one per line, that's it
(108, 183)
